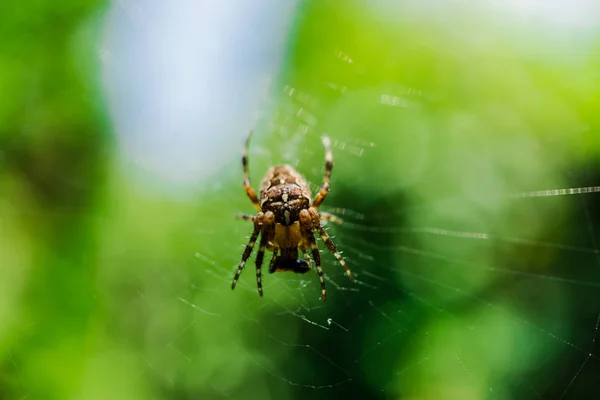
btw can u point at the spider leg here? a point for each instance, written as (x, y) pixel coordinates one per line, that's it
(328, 242)
(246, 217)
(309, 237)
(268, 225)
(328, 167)
(259, 260)
(306, 258)
(331, 246)
(274, 258)
(249, 190)
(330, 217)
(248, 249)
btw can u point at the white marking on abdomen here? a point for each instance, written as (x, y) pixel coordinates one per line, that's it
(286, 215)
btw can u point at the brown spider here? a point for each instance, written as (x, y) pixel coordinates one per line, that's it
(287, 218)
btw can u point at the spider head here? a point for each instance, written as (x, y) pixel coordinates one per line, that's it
(288, 264)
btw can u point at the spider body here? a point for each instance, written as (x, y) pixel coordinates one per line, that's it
(286, 221)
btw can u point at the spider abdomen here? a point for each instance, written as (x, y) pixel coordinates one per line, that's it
(285, 193)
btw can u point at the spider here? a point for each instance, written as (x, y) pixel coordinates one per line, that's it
(287, 219)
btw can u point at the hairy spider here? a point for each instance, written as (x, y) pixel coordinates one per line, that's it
(286, 220)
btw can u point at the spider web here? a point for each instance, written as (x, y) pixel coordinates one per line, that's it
(481, 282)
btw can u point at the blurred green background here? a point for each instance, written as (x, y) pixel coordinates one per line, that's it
(448, 121)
